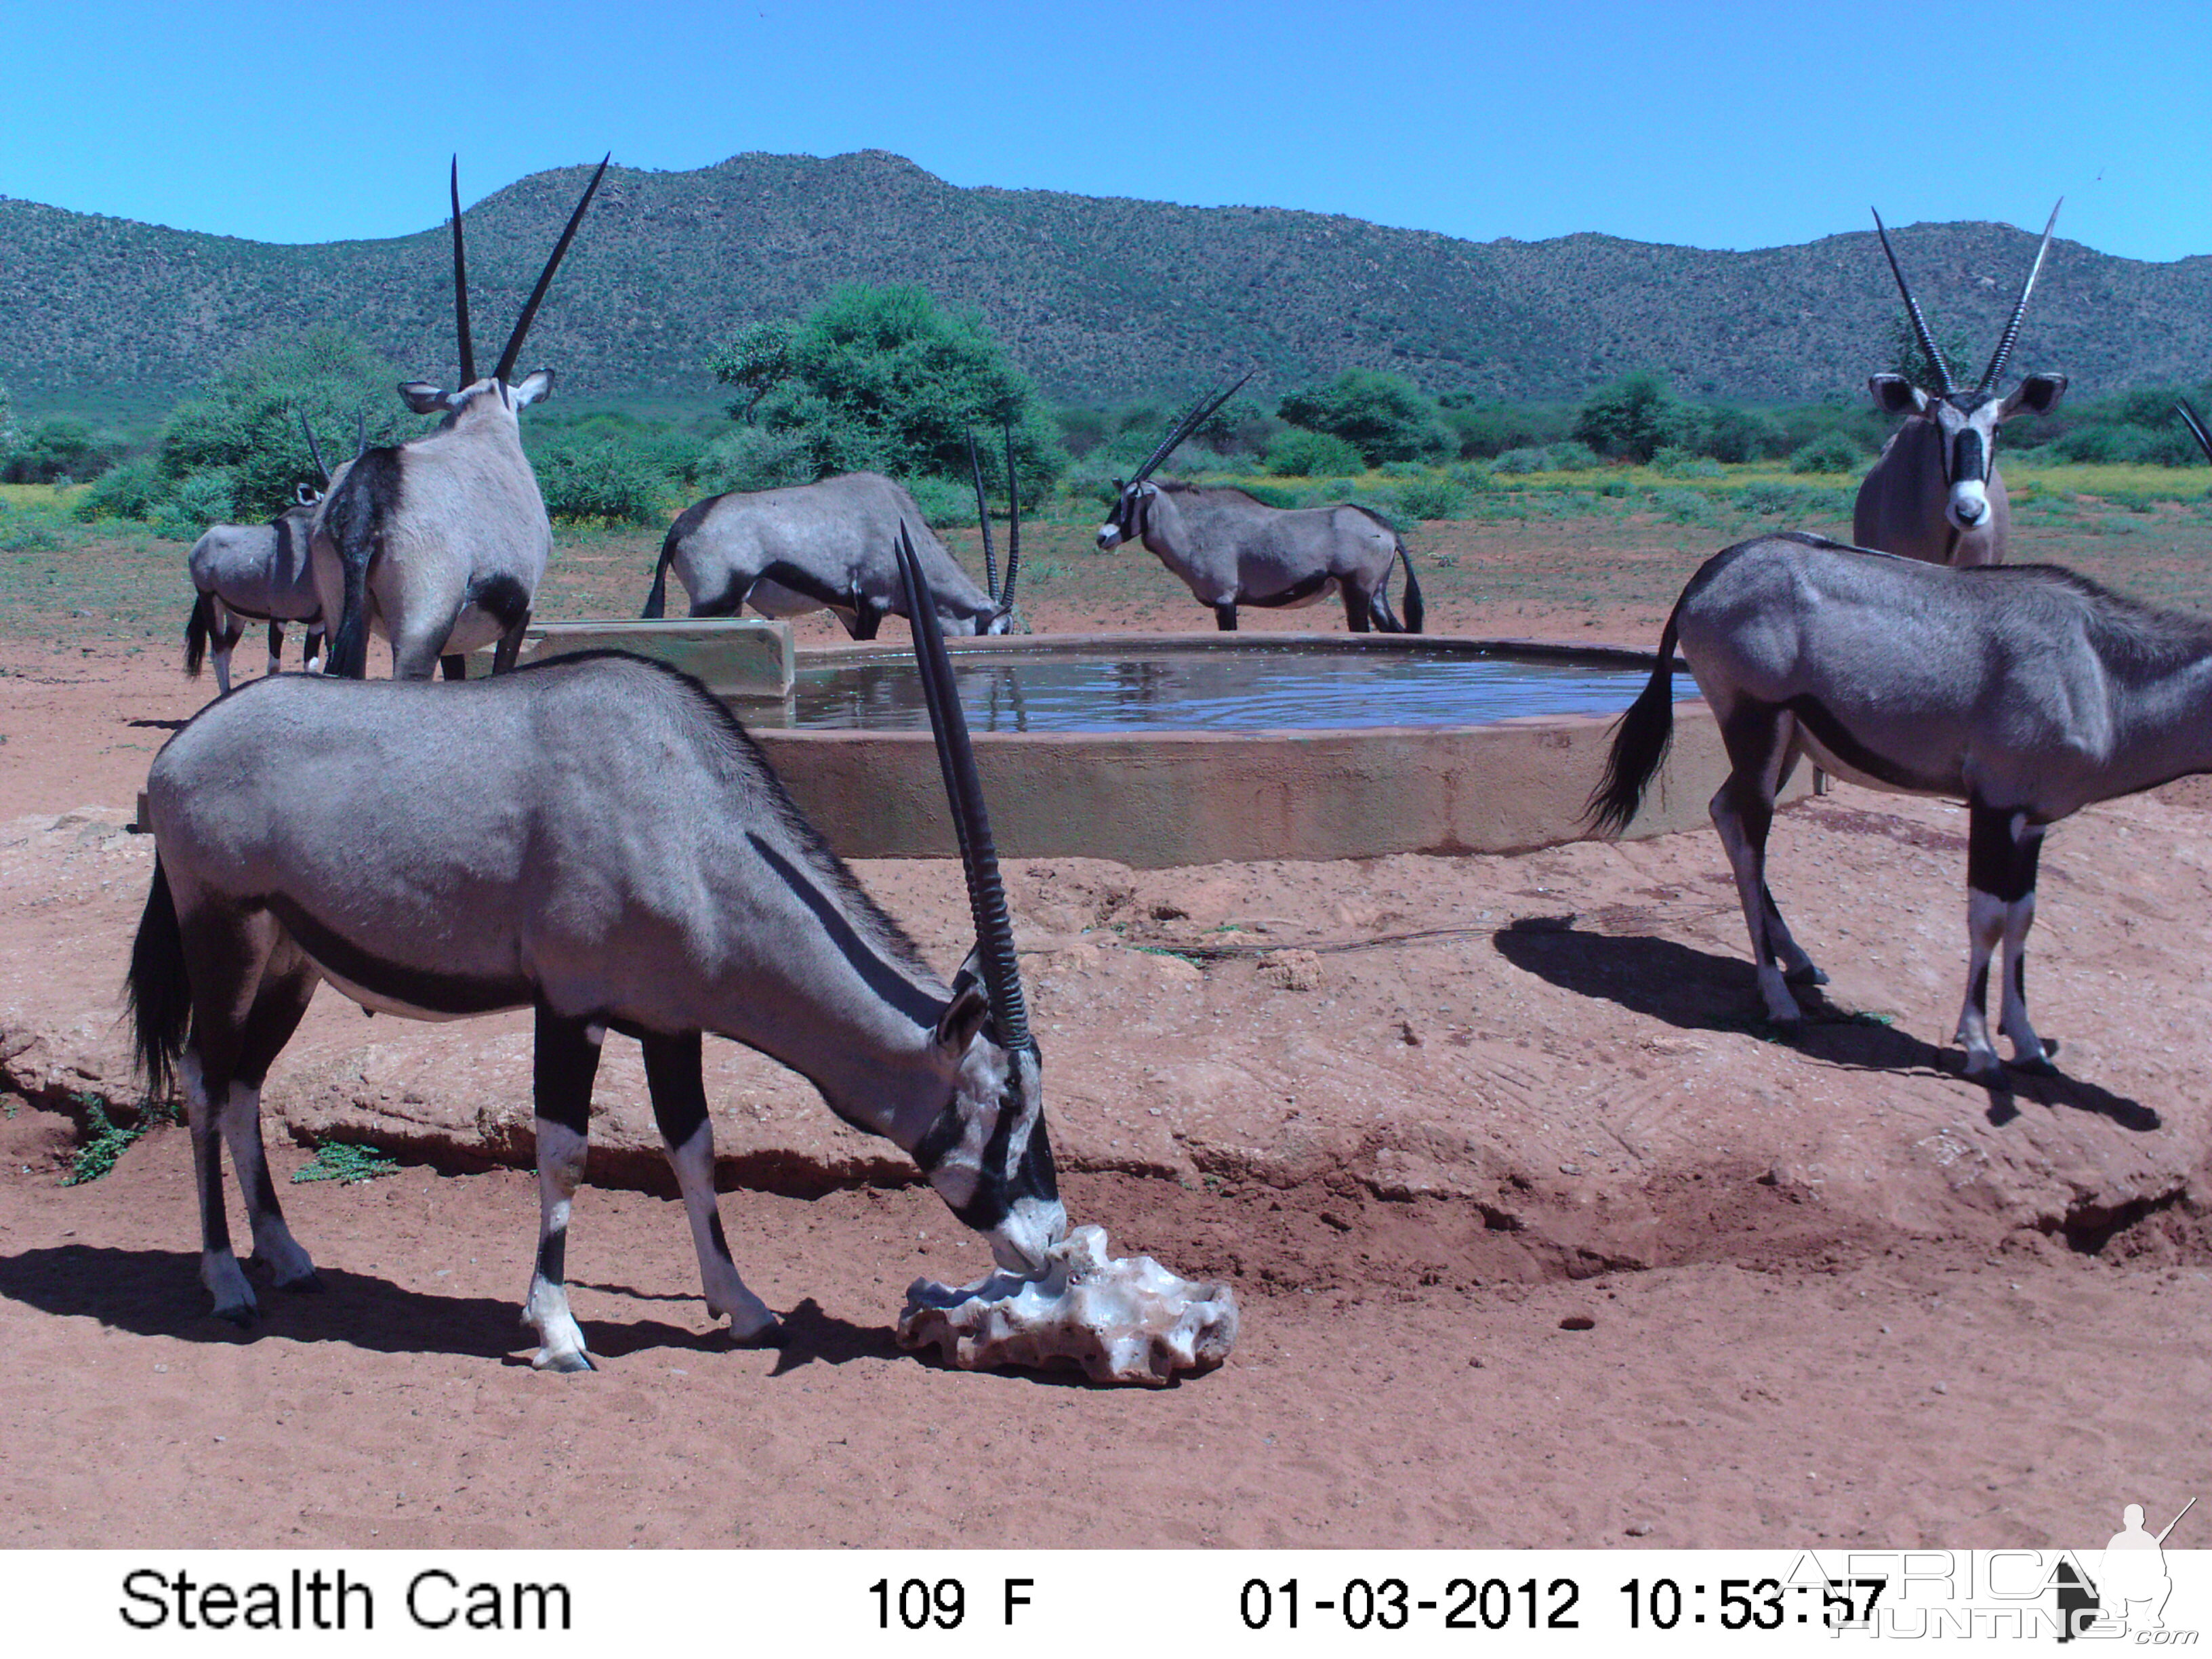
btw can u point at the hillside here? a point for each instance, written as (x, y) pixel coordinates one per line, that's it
(1101, 298)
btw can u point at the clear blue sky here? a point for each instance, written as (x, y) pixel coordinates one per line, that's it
(1736, 126)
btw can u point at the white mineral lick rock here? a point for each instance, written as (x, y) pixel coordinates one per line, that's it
(1129, 1321)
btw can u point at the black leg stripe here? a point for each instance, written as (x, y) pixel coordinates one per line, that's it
(1977, 989)
(715, 1232)
(553, 1256)
(674, 1077)
(562, 1068)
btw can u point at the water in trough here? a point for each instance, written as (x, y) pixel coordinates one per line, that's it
(1253, 688)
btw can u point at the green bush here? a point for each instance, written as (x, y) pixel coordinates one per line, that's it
(1296, 453)
(192, 504)
(1269, 495)
(1737, 436)
(1571, 455)
(246, 423)
(1833, 454)
(1770, 498)
(1472, 475)
(1684, 506)
(30, 529)
(881, 380)
(1672, 463)
(944, 502)
(62, 450)
(1515, 461)
(132, 490)
(1428, 498)
(753, 457)
(1635, 417)
(594, 481)
(1386, 417)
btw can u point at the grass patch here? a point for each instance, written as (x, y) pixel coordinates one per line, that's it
(107, 1139)
(339, 1160)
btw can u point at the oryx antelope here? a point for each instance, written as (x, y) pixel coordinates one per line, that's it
(438, 544)
(786, 552)
(2027, 690)
(1231, 548)
(1934, 494)
(596, 838)
(260, 572)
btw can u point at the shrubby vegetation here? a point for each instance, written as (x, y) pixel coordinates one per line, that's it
(1386, 417)
(882, 379)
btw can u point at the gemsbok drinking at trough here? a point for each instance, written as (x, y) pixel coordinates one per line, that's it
(260, 572)
(439, 543)
(1935, 494)
(1231, 548)
(2025, 690)
(594, 838)
(810, 547)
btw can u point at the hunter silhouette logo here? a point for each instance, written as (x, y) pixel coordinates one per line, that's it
(2131, 1585)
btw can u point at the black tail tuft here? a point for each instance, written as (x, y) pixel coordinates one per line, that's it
(1416, 612)
(197, 626)
(160, 991)
(656, 602)
(1640, 741)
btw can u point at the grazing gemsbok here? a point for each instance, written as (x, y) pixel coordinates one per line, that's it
(596, 838)
(438, 544)
(2027, 690)
(1934, 494)
(258, 571)
(786, 552)
(1231, 548)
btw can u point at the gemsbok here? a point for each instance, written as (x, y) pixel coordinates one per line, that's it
(808, 547)
(257, 572)
(2025, 690)
(597, 839)
(439, 543)
(1935, 494)
(1231, 548)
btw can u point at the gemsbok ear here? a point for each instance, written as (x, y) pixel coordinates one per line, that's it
(963, 1018)
(1896, 395)
(2039, 394)
(424, 397)
(971, 971)
(534, 388)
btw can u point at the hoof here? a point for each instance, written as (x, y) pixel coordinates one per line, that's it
(567, 1364)
(771, 1335)
(1986, 1070)
(2039, 1066)
(1808, 974)
(240, 1316)
(309, 1283)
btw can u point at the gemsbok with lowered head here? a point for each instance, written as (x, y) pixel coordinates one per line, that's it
(828, 545)
(2025, 690)
(1231, 548)
(594, 838)
(1934, 494)
(439, 543)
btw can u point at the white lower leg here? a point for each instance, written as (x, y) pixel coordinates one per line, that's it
(222, 655)
(1985, 918)
(273, 1242)
(560, 1168)
(2026, 1046)
(726, 1294)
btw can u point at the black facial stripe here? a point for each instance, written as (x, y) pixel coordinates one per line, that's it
(939, 1139)
(1969, 459)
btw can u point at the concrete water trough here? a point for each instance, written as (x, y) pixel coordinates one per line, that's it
(1161, 749)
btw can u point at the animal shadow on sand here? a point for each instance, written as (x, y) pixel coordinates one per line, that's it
(158, 1293)
(1696, 990)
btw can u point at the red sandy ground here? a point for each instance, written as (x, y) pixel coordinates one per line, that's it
(1860, 1353)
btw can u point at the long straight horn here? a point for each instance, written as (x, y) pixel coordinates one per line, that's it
(545, 277)
(956, 756)
(983, 519)
(1189, 424)
(461, 286)
(1919, 323)
(1013, 523)
(313, 448)
(2196, 427)
(2019, 306)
